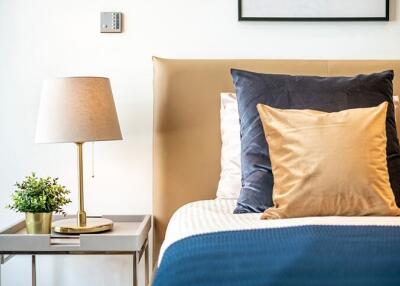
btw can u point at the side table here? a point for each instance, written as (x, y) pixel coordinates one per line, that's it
(129, 236)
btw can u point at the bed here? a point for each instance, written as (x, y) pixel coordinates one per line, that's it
(186, 173)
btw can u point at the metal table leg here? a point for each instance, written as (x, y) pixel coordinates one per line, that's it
(1, 263)
(136, 258)
(33, 270)
(135, 264)
(146, 265)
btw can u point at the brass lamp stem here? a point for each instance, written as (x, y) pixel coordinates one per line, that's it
(81, 216)
(82, 224)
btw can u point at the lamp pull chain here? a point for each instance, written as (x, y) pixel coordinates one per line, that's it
(92, 159)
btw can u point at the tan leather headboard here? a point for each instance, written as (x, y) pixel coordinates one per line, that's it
(186, 122)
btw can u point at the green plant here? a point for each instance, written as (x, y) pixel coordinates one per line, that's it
(39, 195)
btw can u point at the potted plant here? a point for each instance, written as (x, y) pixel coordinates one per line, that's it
(38, 198)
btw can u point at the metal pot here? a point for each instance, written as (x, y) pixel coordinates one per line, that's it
(38, 223)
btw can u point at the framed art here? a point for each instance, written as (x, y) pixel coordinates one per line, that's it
(313, 10)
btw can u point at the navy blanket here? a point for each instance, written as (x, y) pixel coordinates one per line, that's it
(306, 255)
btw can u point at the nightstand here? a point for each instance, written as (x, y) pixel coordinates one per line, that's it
(129, 236)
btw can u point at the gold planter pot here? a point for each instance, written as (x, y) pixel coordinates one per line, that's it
(38, 223)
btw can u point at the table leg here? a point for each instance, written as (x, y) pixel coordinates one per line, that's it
(146, 265)
(33, 270)
(135, 278)
(1, 263)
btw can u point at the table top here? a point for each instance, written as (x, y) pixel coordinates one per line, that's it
(129, 233)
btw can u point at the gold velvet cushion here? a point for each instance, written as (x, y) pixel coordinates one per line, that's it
(328, 164)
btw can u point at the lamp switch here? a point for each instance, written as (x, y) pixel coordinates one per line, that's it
(110, 22)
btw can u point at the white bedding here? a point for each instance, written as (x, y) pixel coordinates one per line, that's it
(217, 215)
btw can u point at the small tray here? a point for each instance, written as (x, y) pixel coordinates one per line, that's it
(128, 235)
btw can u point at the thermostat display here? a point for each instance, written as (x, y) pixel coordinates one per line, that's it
(111, 22)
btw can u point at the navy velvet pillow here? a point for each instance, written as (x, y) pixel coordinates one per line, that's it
(328, 94)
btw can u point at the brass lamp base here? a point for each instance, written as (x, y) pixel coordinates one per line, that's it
(93, 225)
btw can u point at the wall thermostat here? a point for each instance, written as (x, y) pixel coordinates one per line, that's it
(110, 22)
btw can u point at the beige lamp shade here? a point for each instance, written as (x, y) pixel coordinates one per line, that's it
(77, 109)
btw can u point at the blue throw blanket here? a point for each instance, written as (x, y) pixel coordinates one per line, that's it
(306, 255)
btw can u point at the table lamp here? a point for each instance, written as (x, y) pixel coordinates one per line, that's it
(78, 110)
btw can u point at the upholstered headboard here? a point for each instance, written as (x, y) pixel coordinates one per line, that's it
(186, 122)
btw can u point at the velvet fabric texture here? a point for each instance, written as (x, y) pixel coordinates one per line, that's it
(317, 175)
(327, 94)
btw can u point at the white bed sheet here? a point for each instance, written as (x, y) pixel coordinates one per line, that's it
(217, 215)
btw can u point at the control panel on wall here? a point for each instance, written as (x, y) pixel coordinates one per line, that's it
(111, 22)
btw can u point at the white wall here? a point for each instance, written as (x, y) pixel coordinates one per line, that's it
(48, 38)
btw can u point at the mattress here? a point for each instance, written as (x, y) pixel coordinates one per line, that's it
(210, 216)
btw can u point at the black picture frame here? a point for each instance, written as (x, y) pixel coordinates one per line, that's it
(316, 19)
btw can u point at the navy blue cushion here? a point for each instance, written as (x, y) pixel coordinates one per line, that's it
(328, 94)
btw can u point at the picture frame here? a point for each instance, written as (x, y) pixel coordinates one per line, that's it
(313, 10)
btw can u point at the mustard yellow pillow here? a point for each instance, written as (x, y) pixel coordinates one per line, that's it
(328, 164)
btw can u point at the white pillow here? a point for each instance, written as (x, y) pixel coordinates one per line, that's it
(230, 179)
(396, 111)
(396, 102)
